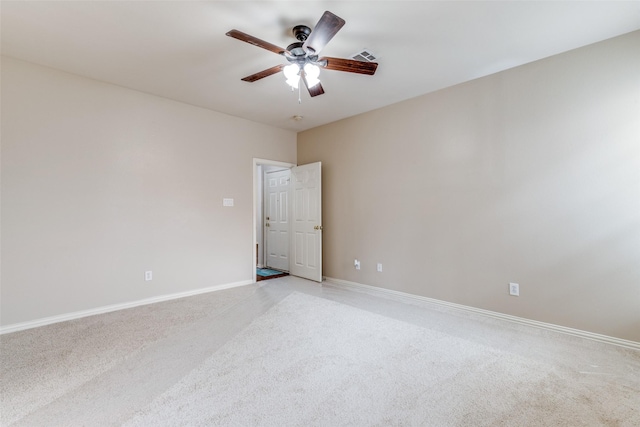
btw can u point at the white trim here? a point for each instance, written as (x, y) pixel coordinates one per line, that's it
(549, 326)
(115, 307)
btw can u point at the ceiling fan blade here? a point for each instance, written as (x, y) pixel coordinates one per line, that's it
(314, 90)
(348, 65)
(264, 73)
(327, 27)
(256, 42)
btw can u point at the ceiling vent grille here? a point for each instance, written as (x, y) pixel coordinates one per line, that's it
(365, 55)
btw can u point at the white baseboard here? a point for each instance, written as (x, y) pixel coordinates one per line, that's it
(115, 307)
(549, 326)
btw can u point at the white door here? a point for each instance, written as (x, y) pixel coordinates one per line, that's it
(306, 235)
(276, 220)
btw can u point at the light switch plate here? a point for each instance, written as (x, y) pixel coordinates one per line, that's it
(227, 202)
(514, 289)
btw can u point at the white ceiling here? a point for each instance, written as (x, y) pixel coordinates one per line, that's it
(178, 49)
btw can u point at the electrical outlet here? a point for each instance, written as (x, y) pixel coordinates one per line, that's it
(379, 267)
(148, 275)
(514, 289)
(356, 264)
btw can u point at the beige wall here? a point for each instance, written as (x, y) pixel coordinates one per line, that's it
(100, 183)
(531, 175)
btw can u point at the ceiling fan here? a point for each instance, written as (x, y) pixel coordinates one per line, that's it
(303, 57)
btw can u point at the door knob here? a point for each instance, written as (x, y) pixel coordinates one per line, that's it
(267, 218)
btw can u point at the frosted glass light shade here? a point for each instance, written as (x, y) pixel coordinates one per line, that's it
(292, 73)
(312, 72)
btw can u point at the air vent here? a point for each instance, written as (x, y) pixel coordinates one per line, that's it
(365, 55)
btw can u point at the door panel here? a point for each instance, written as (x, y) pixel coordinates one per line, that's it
(306, 241)
(312, 247)
(299, 251)
(277, 219)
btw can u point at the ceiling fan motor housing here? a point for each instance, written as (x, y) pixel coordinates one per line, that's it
(301, 32)
(296, 50)
(298, 53)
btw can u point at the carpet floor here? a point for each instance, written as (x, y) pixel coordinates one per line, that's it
(291, 352)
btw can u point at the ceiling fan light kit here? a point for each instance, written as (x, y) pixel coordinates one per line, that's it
(304, 63)
(292, 74)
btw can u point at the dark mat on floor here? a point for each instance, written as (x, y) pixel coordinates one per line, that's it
(267, 273)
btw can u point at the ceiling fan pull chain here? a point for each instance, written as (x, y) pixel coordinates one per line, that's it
(299, 97)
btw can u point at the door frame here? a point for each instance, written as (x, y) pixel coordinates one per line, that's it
(263, 162)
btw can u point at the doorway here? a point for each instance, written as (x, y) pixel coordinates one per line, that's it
(301, 208)
(259, 168)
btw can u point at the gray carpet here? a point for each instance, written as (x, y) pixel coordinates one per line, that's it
(291, 358)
